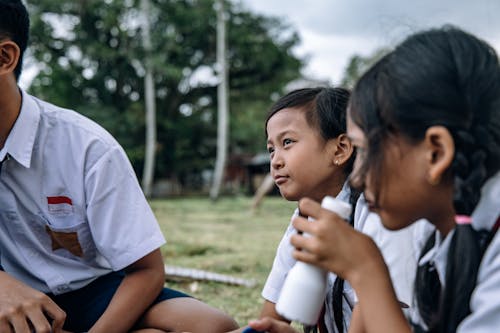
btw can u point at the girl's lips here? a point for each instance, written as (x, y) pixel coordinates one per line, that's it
(280, 180)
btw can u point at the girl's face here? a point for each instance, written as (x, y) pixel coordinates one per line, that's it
(405, 194)
(302, 163)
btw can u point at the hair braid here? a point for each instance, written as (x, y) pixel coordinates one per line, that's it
(469, 172)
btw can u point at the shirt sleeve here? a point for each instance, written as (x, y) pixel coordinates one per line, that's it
(485, 300)
(283, 262)
(121, 221)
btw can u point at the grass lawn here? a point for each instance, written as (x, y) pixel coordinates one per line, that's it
(224, 237)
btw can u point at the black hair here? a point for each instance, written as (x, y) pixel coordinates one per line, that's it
(14, 25)
(325, 109)
(450, 78)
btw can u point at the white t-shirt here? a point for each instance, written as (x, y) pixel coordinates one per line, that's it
(71, 208)
(397, 247)
(485, 299)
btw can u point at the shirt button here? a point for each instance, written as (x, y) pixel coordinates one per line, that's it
(63, 289)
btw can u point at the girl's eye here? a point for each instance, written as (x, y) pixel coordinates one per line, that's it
(287, 142)
(270, 150)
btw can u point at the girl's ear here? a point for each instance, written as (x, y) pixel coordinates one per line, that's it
(343, 149)
(9, 56)
(440, 152)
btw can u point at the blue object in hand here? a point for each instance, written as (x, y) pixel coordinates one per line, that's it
(251, 330)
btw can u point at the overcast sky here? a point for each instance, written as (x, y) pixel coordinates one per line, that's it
(333, 30)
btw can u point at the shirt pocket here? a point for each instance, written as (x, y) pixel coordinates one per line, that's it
(69, 236)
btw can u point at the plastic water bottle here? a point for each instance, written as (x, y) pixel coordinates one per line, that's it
(304, 290)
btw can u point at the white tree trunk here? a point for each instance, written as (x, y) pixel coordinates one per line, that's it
(149, 97)
(222, 103)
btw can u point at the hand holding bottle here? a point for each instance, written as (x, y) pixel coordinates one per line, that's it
(304, 290)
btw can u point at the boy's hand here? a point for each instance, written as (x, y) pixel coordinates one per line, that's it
(25, 310)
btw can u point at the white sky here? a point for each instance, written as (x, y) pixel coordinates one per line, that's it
(333, 30)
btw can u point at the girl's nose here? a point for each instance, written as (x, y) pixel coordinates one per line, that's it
(276, 161)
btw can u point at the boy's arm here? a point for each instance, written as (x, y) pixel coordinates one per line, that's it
(143, 282)
(22, 306)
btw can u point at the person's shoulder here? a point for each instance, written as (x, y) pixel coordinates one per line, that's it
(62, 120)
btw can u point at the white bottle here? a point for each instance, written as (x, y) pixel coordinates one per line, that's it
(304, 290)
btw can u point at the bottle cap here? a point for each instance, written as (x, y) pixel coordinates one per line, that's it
(342, 208)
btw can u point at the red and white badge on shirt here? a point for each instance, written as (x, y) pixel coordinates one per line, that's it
(60, 205)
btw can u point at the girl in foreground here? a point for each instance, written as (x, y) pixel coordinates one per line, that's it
(426, 122)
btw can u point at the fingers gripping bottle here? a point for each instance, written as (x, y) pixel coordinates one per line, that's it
(304, 290)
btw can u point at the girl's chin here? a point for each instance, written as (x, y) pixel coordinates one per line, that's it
(392, 224)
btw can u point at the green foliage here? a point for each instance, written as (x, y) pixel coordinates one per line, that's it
(358, 65)
(91, 58)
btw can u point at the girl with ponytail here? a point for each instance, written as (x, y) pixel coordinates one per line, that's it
(426, 123)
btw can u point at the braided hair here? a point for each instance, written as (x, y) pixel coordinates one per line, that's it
(440, 77)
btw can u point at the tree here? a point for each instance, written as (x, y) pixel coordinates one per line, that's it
(222, 102)
(358, 65)
(91, 58)
(149, 96)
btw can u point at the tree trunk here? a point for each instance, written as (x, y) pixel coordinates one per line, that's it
(149, 97)
(222, 103)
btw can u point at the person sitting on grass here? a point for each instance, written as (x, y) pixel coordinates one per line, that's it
(79, 244)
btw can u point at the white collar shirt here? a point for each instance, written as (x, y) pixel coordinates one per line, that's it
(71, 208)
(485, 299)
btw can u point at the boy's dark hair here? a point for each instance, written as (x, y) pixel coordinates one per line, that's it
(14, 25)
(449, 78)
(325, 109)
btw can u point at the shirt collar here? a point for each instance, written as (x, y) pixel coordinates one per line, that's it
(487, 211)
(345, 193)
(484, 216)
(21, 140)
(438, 254)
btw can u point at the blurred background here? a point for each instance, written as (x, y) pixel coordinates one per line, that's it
(184, 86)
(90, 55)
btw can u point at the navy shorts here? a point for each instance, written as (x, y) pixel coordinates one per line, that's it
(85, 306)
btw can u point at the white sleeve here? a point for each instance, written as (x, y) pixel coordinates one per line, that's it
(121, 221)
(283, 262)
(485, 300)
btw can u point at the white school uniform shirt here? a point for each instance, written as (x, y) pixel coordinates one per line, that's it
(485, 299)
(71, 208)
(398, 249)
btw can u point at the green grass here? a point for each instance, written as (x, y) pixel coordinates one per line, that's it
(225, 237)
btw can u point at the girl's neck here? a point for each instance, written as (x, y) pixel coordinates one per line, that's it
(445, 221)
(333, 190)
